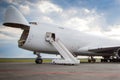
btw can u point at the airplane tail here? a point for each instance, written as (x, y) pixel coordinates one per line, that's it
(13, 18)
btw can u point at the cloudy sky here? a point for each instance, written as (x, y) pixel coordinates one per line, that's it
(98, 17)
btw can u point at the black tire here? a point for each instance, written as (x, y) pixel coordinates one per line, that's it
(94, 60)
(89, 60)
(104, 60)
(38, 61)
(101, 60)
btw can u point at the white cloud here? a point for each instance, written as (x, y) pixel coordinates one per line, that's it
(2, 36)
(87, 11)
(114, 32)
(14, 2)
(48, 7)
(25, 9)
(81, 19)
(7, 33)
(47, 19)
(9, 1)
(77, 23)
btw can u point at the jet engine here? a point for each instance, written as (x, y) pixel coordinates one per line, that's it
(118, 53)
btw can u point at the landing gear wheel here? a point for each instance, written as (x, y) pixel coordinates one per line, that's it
(91, 60)
(38, 61)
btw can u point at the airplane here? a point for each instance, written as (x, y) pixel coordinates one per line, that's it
(54, 39)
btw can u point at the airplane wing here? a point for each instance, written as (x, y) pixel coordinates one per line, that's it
(101, 51)
(104, 49)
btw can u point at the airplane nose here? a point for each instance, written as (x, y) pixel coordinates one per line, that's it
(13, 18)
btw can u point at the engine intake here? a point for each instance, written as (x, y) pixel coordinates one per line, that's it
(118, 53)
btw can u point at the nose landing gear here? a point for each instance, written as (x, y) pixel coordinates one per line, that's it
(38, 60)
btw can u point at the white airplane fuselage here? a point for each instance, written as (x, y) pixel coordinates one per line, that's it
(76, 41)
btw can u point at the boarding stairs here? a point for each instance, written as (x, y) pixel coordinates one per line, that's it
(67, 56)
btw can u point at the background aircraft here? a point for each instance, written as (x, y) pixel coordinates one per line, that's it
(53, 39)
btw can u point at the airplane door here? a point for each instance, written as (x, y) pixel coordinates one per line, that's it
(49, 36)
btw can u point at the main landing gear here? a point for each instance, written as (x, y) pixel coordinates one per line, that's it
(38, 59)
(105, 59)
(91, 59)
(110, 59)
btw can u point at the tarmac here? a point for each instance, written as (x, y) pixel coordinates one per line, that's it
(46, 71)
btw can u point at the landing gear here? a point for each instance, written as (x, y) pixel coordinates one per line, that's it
(91, 59)
(38, 59)
(106, 59)
(110, 59)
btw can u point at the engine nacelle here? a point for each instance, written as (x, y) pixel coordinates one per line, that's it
(118, 53)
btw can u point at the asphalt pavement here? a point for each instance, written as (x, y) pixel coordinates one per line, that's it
(46, 71)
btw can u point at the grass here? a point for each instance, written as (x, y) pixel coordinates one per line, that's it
(22, 60)
(86, 60)
(3, 60)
